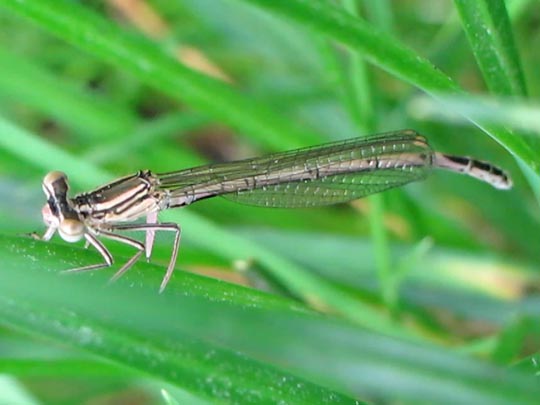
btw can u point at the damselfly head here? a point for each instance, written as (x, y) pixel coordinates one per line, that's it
(57, 214)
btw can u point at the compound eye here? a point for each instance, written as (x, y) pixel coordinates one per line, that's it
(48, 216)
(51, 178)
(71, 230)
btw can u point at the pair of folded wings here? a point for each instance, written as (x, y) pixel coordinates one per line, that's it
(314, 176)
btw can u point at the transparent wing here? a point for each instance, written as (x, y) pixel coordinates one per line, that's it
(321, 175)
(329, 190)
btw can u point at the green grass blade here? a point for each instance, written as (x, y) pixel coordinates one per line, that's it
(451, 29)
(516, 114)
(255, 347)
(488, 29)
(376, 46)
(186, 362)
(51, 368)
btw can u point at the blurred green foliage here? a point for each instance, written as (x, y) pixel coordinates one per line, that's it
(427, 293)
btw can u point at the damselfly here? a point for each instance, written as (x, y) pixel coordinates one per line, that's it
(315, 176)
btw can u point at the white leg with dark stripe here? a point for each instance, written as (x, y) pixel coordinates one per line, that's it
(100, 247)
(128, 241)
(171, 227)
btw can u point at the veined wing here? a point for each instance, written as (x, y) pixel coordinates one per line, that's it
(314, 176)
(328, 190)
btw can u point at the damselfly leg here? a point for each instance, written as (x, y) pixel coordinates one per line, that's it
(149, 227)
(141, 247)
(153, 228)
(92, 240)
(151, 218)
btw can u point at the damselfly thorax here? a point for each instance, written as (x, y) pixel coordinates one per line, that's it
(315, 176)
